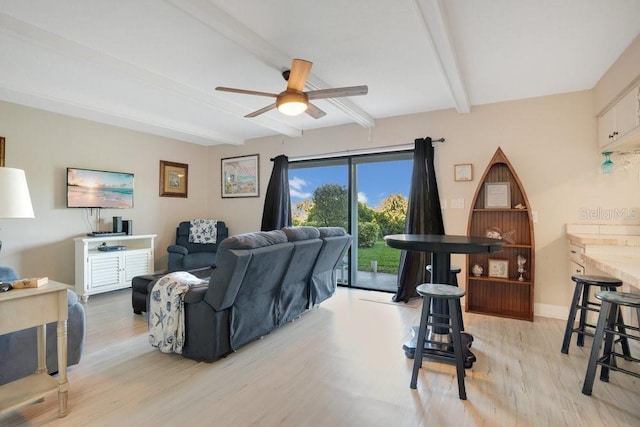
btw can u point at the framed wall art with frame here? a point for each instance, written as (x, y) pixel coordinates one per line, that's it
(463, 172)
(174, 179)
(240, 176)
(1, 151)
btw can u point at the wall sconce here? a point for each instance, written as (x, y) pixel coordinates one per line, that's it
(607, 166)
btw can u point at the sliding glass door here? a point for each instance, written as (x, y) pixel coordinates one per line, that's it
(367, 195)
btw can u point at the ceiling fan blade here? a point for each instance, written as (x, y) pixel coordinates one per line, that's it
(338, 92)
(246, 92)
(314, 111)
(262, 110)
(300, 70)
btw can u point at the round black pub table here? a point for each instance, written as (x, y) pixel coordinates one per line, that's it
(441, 247)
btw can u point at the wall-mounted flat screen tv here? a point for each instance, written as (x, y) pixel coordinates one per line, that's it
(87, 188)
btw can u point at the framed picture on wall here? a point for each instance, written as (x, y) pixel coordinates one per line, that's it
(1, 151)
(463, 172)
(174, 179)
(240, 176)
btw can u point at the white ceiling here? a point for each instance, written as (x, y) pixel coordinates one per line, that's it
(152, 65)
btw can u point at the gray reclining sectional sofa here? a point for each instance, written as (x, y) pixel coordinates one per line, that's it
(261, 281)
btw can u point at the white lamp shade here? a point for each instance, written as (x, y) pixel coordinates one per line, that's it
(15, 201)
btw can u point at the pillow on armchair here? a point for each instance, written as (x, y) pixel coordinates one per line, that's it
(186, 255)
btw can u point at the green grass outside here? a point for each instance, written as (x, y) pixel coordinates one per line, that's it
(388, 258)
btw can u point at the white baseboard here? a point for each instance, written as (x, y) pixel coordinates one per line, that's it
(552, 311)
(546, 310)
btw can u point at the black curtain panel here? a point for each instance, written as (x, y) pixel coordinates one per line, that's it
(424, 216)
(277, 203)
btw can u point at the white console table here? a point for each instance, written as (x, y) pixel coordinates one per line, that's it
(103, 271)
(26, 308)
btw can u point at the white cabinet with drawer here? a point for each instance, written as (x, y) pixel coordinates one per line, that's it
(576, 260)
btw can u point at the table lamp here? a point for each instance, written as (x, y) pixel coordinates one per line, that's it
(15, 201)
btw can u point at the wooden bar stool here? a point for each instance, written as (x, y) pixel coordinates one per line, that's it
(453, 281)
(581, 302)
(607, 328)
(451, 294)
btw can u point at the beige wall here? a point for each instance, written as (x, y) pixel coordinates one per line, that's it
(550, 141)
(45, 144)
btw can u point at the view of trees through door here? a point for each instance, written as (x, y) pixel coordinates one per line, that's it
(367, 195)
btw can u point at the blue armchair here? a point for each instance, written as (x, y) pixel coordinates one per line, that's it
(185, 256)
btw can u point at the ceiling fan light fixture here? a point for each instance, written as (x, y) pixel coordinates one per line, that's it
(292, 103)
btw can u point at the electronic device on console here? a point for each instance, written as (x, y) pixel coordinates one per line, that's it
(106, 248)
(106, 233)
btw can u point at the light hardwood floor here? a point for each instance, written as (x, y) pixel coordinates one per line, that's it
(341, 364)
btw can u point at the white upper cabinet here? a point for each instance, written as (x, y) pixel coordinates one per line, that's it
(619, 128)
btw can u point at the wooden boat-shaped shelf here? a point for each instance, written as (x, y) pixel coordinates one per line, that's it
(501, 209)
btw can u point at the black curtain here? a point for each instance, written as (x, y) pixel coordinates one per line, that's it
(424, 216)
(277, 203)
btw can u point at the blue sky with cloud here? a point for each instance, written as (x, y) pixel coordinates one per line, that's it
(376, 181)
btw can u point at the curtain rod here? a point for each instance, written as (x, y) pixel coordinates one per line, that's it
(362, 151)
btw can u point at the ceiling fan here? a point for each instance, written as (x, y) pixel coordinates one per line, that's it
(293, 100)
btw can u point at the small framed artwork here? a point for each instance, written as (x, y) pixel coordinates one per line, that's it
(174, 179)
(499, 268)
(497, 195)
(463, 172)
(1, 151)
(240, 176)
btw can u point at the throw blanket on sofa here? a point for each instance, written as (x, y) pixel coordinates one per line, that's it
(166, 311)
(203, 231)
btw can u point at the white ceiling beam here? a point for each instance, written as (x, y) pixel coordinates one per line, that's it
(436, 25)
(229, 27)
(128, 118)
(69, 48)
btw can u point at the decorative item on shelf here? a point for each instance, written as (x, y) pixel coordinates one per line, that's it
(499, 268)
(607, 166)
(497, 195)
(520, 206)
(477, 270)
(521, 262)
(496, 233)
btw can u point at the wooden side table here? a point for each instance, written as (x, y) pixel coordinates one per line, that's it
(26, 308)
